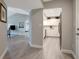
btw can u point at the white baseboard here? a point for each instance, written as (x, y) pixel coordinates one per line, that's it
(66, 51)
(69, 52)
(34, 46)
(74, 55)
(4, 53)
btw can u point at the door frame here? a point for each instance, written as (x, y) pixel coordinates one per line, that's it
(60, 29)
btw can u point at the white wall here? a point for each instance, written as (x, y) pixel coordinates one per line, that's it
(66, 6)
(54, 31)
(16, 19)
(37, 27)
(3, 35)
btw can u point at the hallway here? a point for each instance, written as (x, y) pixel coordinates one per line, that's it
(22, 50)
(52, 49)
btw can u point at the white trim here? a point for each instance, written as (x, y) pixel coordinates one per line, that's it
(74, 55)
(69, 52)
(66, 51)
(3, 54)
(35, 46)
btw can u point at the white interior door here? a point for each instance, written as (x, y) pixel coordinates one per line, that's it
(77, 28)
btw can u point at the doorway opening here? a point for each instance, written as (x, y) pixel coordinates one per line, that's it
(18, 28)
(52, 25)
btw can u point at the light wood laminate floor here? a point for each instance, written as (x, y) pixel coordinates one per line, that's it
(22, 50)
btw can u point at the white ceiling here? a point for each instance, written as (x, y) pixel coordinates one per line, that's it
(25, 4)
(11, 11)
(52, 12)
